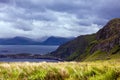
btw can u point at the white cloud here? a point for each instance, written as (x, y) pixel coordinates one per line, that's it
(39, 18)
(63, 24)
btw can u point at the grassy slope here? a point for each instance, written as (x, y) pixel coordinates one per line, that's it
(77, 54)
(107, 39)
(99, 55)
(114, 53)
(99, 70)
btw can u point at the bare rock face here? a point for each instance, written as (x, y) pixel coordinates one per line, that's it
(104, 40)
(108, 36)
(111, 29)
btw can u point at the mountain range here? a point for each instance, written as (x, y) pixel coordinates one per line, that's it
(27, 41)
(103, 45)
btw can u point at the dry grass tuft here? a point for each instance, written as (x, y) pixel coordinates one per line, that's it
(99, 70)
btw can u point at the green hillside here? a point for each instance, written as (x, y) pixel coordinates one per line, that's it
(73, 49)
(103, 45)
(100, 70)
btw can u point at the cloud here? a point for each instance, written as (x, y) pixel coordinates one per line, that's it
(39, 18)
(108, 9)
(4, 1)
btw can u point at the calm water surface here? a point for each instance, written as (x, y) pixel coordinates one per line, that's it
(27, 60)
(32, 49)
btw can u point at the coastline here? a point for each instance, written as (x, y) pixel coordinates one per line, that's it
(29, 57)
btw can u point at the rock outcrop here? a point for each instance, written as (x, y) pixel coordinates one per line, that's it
(108, 36)
(103, 44)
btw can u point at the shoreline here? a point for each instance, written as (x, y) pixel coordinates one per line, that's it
(27, 56)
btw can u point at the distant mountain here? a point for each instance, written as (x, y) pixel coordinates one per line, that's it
(103, 45)
(56, 40)
(17, 41)
(28, 41)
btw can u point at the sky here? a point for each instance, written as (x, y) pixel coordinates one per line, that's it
(37, 19)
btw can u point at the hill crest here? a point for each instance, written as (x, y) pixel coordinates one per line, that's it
(105, 44)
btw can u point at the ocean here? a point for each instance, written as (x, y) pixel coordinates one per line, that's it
(32, 49)
(26, 49)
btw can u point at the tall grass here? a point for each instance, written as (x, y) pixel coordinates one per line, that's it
(99, 70)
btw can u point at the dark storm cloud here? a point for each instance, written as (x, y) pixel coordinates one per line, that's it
(22, 25)
(39, 18)
(4, 1)
(109, 9)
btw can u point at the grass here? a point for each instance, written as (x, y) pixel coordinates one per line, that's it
(73, 56)
(98, 70)
(97, 55)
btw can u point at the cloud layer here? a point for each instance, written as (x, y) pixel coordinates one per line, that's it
(66, 18)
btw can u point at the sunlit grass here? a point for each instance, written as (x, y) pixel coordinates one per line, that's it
(99, 70)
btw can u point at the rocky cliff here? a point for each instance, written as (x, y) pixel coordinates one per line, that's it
(108, 36)
(105, 44)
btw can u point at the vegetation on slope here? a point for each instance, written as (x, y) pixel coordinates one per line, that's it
(114, 53)
(107, 42)
(99, 46)
(72, 49)
(100, 70)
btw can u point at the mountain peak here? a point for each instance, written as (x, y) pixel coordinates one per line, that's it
(108, 36)
(56, 40)
(111, 29)
(102, 45)
(115, 20)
